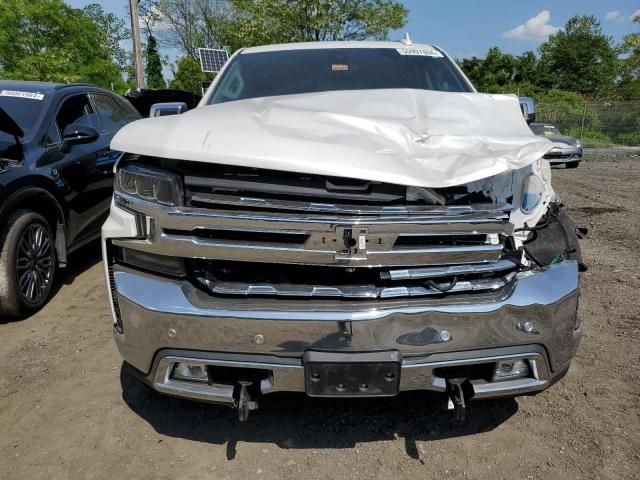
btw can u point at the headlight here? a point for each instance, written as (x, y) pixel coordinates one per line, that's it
(578, 144)
(147, 184)
(532, 189)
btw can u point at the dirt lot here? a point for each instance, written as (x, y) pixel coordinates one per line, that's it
(68, 408)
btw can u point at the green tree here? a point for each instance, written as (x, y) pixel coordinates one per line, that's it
(257, 22)
(628, 87)
(112, 31)
(579, 58)
(472, 68)
(192, 24)
(493, 73)
(188, 75)
(153, 68)
(47, 40)
(498, 69)
(503, 73)
(631, 47)
(526, 70)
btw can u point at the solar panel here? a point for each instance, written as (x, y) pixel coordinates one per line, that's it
(212, 59)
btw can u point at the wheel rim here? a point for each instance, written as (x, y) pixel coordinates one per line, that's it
(34, 263)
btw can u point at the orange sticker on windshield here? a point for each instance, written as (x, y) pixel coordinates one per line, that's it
(339, 67)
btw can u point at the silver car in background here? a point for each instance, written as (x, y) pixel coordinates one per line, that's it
(566, 150)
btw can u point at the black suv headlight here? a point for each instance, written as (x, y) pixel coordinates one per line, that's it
(149, 184)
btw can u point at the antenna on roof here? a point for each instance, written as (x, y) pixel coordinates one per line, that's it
(407, 39)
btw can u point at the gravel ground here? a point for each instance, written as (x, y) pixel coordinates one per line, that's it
(69, 409)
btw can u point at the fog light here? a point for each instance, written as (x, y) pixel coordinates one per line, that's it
(192, 372)
(509, 369)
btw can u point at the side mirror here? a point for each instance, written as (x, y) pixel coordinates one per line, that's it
(168, 108)
(76, 134)
(528, 108)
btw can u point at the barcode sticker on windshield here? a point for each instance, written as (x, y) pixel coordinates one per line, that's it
(420, 52)
(18, 94)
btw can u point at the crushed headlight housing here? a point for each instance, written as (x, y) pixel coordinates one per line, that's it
(148, 184)
(532, 189)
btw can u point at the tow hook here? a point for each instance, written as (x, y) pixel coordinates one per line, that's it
(457, 397)
(244, 402)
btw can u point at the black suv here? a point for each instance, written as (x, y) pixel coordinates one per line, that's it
(55, 181)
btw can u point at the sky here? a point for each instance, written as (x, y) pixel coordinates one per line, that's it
(466, 28)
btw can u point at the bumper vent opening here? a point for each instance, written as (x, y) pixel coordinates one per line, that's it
(248, 279)
(241, 235)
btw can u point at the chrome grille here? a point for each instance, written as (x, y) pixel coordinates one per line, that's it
(358, 241)
(277, 220)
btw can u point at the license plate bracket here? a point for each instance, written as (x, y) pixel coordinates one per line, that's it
(371, 374)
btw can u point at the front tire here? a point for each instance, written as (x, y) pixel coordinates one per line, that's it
(27, 264)
(571, 164)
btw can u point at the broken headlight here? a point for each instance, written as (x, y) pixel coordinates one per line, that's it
(532, 189)
(148, 184)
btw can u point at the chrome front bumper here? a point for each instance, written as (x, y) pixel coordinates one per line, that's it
(165, 320)
(287, 375)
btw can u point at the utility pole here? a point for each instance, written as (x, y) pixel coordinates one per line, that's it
(584, 114)
(137, 47)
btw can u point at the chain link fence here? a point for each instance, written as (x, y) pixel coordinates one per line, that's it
(597, 124)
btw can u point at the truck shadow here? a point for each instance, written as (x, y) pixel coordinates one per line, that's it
(297, 421)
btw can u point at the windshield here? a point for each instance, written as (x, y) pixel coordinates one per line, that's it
(287, 72)
(22, 111)
(545, 130)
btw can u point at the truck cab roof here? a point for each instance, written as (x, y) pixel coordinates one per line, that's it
(337, 44)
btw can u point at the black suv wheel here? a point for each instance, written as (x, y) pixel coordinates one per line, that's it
(27, 264)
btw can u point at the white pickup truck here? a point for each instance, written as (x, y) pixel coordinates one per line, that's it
(345, 219)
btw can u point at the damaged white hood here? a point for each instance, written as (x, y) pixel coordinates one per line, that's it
(408, 137)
